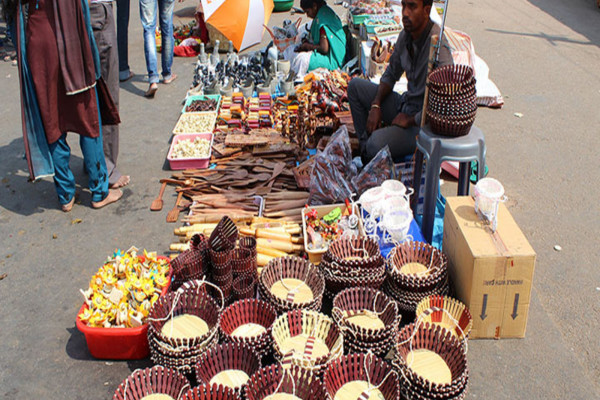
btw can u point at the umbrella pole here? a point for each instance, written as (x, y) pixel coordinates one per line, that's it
(441, 37)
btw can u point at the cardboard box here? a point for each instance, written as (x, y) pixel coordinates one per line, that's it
(492, 272)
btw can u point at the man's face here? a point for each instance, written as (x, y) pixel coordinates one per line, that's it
(414, 15)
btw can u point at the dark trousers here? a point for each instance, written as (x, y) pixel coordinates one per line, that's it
(103, 25)
(123, 37)
(402, 142)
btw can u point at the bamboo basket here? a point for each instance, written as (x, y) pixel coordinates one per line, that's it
(210, 392)
(148, 381)
(274, 382)
(447, 312)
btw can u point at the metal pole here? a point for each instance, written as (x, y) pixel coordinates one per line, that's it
(441, 39)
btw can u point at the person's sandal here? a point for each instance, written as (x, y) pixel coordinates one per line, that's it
(69, 206)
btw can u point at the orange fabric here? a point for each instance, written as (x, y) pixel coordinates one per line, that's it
(230, 19)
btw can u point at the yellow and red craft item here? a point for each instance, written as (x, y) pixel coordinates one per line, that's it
(124, 289)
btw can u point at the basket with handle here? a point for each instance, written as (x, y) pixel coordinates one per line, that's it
(283, 44)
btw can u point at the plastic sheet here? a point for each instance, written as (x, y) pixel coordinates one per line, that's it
(378, 170)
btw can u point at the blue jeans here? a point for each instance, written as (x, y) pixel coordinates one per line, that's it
(148, 16)
(122, 37)
(93, 159)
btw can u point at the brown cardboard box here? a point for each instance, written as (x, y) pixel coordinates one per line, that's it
(492, 272)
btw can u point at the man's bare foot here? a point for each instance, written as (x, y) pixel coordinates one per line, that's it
(151, 90)
(67, 207)
(121, 182)
(170, 79)
(113, 195)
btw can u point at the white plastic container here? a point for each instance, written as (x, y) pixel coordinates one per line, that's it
(489, 192)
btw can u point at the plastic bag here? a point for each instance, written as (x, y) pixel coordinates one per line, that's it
(379, 169)
(327, 184)
(339, 153)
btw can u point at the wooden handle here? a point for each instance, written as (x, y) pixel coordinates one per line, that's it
(279, 245)
(267, 251)
(179, 246)
(162, 190)
(268, 234)
(263, 259)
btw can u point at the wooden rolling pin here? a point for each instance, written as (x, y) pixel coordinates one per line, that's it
(288, 247)
(263, 259)
(197, 228)
(179, 247)
(267, 251)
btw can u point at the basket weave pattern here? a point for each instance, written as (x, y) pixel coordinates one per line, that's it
(157, 379)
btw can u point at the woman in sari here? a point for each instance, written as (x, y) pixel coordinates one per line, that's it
(326, 44)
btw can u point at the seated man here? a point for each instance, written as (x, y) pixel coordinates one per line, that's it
(373, 104)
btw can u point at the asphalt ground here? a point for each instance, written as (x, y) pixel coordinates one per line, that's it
(544, 57)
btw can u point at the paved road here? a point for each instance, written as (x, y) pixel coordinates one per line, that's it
(544, 56)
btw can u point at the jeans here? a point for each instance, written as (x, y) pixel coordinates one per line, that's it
(148, 16)
(93, 159)
(402, 142)
(122, 37)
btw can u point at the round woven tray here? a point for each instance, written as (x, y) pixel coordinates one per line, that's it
(155, 380)
(447, 312)
(431, 359)
(291, 283)
(368, 313)
(361, 376)
(307, 339)
(229, 364)
(249, 322)
(431, 259)
(354, 253)
(450, 78)
(210, 392)
(272, 380)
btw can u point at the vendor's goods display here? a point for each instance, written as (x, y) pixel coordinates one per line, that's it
(195, 123)
(188, 148)
(307, 339)
(432, 363)
(289, 283)
(191, 264)
(249, 322)
(360, 377)
(117, 303)
(277, 383)
(352, 262)
(201, 104)
(451, 106)
(210, 392)
(156, 383)
(368, 319)
(182, 326)
(229, 364)
(446, 312)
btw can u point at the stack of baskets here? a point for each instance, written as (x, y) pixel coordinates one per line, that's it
(432, 363)
(274, 382)
(229, 364)
(416, 270)
(210, 392)
(182, 325)
(361, 376)
(249, 322)
(192, 264)
(289, 283)
(157, 380)
(244, 269)
(221, 245)
(351, 262)
(368, 319)
(306, 339)
(452, 106)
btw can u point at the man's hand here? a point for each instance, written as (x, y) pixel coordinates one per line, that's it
(404, 121)
(374, 119)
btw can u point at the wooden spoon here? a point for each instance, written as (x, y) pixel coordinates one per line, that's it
(173, 215)
(157, 204)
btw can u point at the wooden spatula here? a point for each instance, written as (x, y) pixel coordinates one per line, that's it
(173, 215)
(157, 203)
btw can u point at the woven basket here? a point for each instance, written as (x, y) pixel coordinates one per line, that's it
(157, 379)
(285, 283)
(243, 318)
(191, 264)
(243, 261)
(229, 364)
(361, 376)
(314, 334)
(447, 312)
(248, 243)
(434, 262)
(274, 379)
(210, 392)
(450, 78)
(244, 287)
(224, 236)
(431, 361)
(354, 253)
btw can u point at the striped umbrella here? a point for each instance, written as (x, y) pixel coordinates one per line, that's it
(241, 21)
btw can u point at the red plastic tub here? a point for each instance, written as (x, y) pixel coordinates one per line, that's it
(118, 343)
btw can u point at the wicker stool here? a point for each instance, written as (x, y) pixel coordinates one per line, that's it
(436, 148)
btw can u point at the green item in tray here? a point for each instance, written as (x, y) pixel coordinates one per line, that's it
(333, 216)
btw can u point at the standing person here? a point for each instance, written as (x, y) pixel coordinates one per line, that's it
(123, 40)
(103, 26)
(373, 104)
(326, 45)
(148, 11)
(61, 90)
